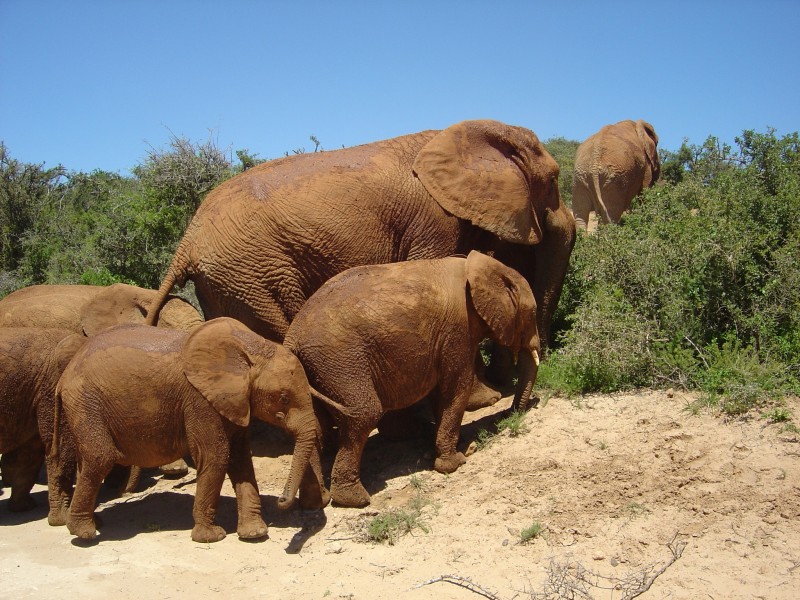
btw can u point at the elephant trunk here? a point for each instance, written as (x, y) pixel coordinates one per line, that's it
(528, 369)
(306, 449)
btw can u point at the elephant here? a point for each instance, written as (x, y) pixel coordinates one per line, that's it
(88, 309)
(612, 167)
(139, 395)
(265, 240)
(380, 338)
(31, 361)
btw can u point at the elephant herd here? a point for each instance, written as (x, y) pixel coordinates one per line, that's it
(336, 288)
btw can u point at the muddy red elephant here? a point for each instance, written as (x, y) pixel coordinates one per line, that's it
(138, 395)
(612, 167)
(31, 361)
(264, 241)
(380, 338)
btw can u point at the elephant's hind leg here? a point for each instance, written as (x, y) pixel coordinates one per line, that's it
(93, 468)
(346, 486)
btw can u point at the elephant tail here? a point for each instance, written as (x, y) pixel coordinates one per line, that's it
(337, 406)
(176, 275)
(600, 206)
(54, 444)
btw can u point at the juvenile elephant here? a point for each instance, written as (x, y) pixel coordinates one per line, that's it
(264, 241)
(138, 395)
(380, 338)
(88, 309)
(31, 361)
(612, 167)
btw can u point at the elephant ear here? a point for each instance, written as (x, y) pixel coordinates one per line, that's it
(502, 298)
(116, 304)
(649, 138)
(480, 171)
(216, 363)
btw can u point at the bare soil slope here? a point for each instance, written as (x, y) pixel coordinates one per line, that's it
(629, 491)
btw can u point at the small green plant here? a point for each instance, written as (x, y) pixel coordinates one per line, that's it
(778, 414)
(152, 527)
(514, 423)
(389, 526)
(534, 531)
(634, 509)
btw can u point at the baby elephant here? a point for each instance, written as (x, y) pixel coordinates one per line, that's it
(31, 361)
(139, 395)
(382, 337)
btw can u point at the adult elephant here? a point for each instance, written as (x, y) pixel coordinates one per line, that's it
(264, 241)
(612, 167)
(88, 309)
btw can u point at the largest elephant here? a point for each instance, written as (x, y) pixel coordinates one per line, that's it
(264, 241)
(612, 167)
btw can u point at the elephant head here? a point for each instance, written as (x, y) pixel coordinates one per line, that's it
(242, 374)
(504, 301)
(123, 303)
(497, 176)
(649, 138)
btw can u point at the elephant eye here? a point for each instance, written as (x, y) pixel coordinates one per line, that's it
(284, 398)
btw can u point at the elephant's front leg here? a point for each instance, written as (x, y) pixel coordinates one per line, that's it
(212, 465)
(20, 469)
(251, 525)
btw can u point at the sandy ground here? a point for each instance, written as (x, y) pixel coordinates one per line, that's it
(627, 489)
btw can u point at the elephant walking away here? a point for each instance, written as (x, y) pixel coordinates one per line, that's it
(138, 395)
(31, 361)
(380, 338)
(264, 241)
(612, 167)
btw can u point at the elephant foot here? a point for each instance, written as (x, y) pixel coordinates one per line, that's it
(482, 396)
(351, 496)
(58, 515)
(83, 528)
(21, 503)
(175, 469)
(208, 534)
(252, 529)
(314, 500)
(448, 464)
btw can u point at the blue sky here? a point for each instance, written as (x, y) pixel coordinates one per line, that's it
(94, 84)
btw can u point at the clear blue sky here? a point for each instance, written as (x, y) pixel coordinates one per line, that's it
(94, 84)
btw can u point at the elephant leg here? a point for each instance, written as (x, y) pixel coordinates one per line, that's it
(450, 406)
(313, 494)
(582, 205)
(20, 469)
(61, 471)
(211, 469)
(248, 501)
(346, 486)
(93, 468)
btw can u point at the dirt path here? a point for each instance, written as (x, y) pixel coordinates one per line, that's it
(622, 488)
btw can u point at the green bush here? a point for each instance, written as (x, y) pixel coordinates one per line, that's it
(697, 287)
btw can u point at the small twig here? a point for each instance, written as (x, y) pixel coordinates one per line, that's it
(463, 582)
(677, 551)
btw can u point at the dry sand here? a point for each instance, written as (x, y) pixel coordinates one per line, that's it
(628, 489)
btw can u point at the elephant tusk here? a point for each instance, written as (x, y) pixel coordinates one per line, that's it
(536, 358)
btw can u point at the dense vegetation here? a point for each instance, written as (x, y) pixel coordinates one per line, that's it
(698, 288)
